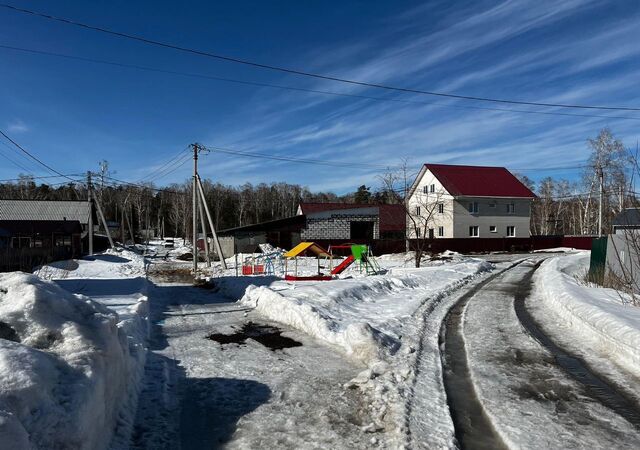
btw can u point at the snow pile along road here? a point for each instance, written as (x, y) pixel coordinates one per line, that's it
(68, 369)
(596, 314)
(376, 320)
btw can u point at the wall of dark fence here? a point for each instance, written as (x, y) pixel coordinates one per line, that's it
(473, 245)
(26, 259)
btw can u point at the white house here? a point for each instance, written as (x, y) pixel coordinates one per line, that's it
(448, 201)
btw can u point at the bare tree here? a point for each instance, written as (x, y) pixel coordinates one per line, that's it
(424, 212)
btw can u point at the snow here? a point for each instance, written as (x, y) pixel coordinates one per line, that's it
(67, 373)
(362, 316)
(557, 250)
(529, 400)
(596, 315)
(374, 320)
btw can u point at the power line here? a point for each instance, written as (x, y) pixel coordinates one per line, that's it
(168, 171)
(541, 169)
(30, 177)
(12, 161)
(33, 157)
(296, 160)
(115, 181)
(163, 166)
(307, 90)
(302, 72)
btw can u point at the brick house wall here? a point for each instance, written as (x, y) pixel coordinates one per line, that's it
(337, 226)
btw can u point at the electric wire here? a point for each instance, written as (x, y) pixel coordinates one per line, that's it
(30, 177)
(163, 166)
(308, 90)
(304, 73)
(48, 167)
(343, 164)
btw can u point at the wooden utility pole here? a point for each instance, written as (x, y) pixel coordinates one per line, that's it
(216, 242)
(104, 223)
(90, 224)
(194, 208)
(204, 232)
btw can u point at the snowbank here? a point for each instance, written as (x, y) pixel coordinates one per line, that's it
(67, 366)
(597, 314)
(363, 316)
(109, 264)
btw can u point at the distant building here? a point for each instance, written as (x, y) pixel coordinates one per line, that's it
(627, 219)
(327, 223)
(468, 202)
(38, 231)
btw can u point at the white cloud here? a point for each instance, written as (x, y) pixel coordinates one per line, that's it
(17, 126)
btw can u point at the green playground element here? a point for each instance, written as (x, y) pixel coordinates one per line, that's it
(366, 261)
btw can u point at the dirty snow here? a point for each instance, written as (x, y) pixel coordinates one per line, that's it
(594, 314)
(66, 366)
(375, 320)
(531, 402)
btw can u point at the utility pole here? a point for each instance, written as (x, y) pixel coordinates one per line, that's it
(194, 205)
(216, 241)
(90, 224)
(601, 176)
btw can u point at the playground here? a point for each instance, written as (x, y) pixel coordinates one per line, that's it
(308, 261)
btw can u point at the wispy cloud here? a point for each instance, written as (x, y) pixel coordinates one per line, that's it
(512, 49)
(17, 126)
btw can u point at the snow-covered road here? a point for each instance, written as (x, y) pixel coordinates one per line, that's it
(199, 393)
(529, 400)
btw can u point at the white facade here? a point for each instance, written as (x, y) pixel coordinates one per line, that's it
(462, 216)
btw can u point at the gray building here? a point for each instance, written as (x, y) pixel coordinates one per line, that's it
(447, 201)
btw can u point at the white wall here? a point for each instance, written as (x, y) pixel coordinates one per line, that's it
(456, 218)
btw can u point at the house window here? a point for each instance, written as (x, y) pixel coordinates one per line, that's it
(492, 205)
(511, 231)
(440, 208)
(440, 231)
(432, 188)
(493, 229)
(473, 231)
(425, 189)
(473, 207)
(417, 210)
(511, 208)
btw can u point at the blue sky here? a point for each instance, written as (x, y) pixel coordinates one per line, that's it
(72, 113)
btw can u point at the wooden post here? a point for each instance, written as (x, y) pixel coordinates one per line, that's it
(90, 224)
(104, 223)
(216, 242)
(204, 231)
(194, 215)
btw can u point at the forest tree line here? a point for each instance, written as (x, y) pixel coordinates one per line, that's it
(561, 207)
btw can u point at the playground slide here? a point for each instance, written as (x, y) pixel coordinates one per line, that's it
(343, 265)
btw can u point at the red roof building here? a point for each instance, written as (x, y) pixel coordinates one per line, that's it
(392, 218)
(477, 181)
(449, 201)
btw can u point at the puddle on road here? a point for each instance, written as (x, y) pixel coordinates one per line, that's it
(267, 335)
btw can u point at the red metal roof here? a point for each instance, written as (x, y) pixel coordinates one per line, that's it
(479, 181)
(392, 217)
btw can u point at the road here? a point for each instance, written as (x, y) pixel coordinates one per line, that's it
(486, 374)
(509, 385)
(203, 394)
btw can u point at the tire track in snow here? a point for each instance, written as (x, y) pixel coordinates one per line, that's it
(601, 390)
(473, 428)
(427, 388)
